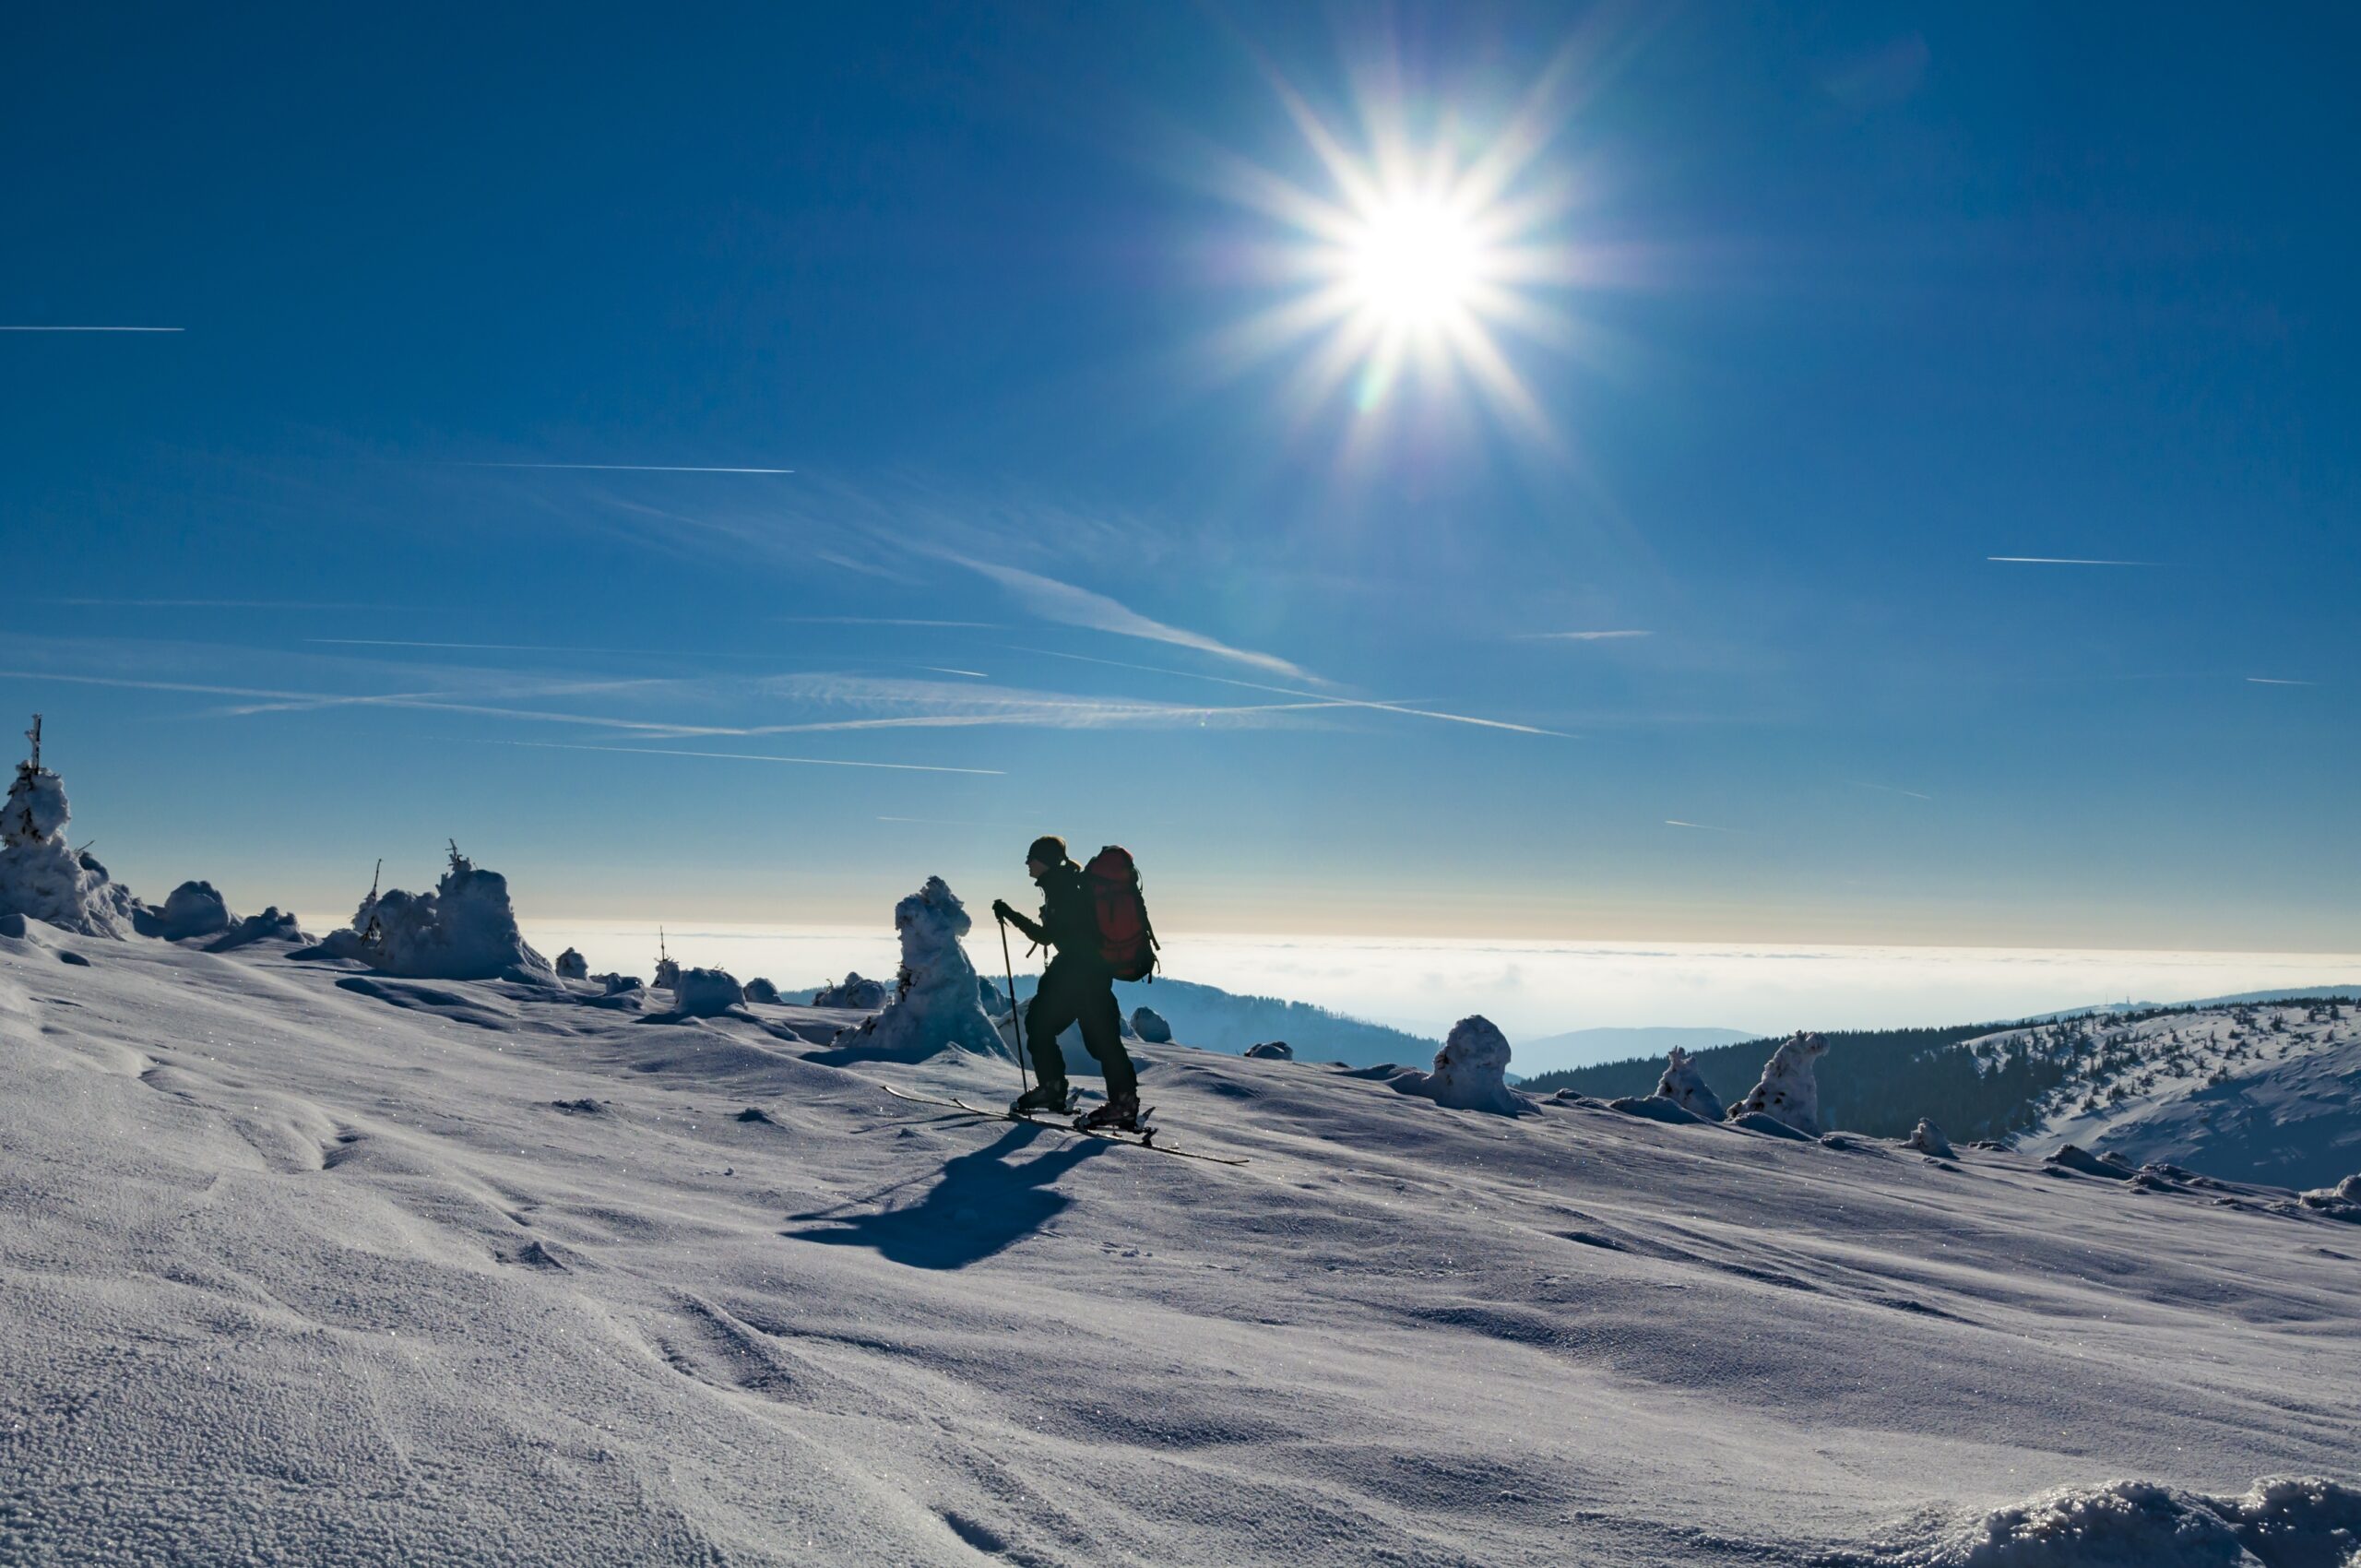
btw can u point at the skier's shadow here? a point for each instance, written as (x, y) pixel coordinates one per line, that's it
(982, 1205)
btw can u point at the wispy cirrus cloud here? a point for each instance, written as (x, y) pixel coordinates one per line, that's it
(46, 329)
(755, 756)
(624, 467)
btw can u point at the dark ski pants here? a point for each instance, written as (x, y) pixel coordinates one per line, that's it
(1074, 994)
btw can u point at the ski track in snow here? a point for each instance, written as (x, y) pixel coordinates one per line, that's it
(301, 1271)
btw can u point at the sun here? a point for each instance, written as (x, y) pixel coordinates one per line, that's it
(1414, 264)
(1418, 255)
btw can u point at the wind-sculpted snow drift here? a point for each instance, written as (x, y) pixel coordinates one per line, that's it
(466, 929)
(2283, 1522)
(42, 877)
(935, 1005)
(1789, 1091)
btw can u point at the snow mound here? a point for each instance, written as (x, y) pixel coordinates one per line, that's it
(935, 1005)
(1149, 1024)
(572, 964)
(41, 876)
(194, 909)
(272, 925)
(2340, 1202)
(466, 929)
(856, 991)
(1658, 1108)
(761, 990)
(2283, 1522)
(1470, 1072)
(1787, 1091)
(1928, 1139)
(706, 993)
(1684, 1085)
(616, 985)
(1270, 1050)
(2083, 1162)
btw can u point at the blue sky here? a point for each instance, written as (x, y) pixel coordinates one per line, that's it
(1829, 307)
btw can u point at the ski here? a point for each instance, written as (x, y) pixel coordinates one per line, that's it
(1104, 1135)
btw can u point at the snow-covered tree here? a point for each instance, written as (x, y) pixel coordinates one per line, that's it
(41, 876)
(466, 929)
(706, 993)
(935, 1005)
(1470, 1072)
(1789, 1092)
(1684, 1085)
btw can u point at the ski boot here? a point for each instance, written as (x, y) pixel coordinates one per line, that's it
(1049, 1098)
(1121, 1114)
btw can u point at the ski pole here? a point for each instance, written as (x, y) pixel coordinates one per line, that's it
(1015, 1020)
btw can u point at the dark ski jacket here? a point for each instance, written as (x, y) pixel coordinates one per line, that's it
(1069, 920)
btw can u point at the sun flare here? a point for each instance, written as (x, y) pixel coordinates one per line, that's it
(1420, 254)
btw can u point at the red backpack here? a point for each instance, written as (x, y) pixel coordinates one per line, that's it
(1126, 941)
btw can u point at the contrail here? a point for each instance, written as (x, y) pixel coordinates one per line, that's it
(1576, 636)
(747, 756)
(2067, 561)
(1889, 788)
(1702, 827)
(2274, 680)
(877, 621)
(1289, 692)
(626, 467)
(93, 328)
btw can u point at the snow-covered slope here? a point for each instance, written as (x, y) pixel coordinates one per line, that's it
(2248, 1093)
(300, 1264)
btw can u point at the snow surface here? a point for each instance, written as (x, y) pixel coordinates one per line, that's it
(1789, 1091)
(1684, 1085)
(935, 1006)
(299, 1265)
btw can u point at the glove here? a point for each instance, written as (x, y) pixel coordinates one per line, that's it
(1000, 911)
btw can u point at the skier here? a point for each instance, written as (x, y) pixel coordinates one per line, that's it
(1077, 987)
